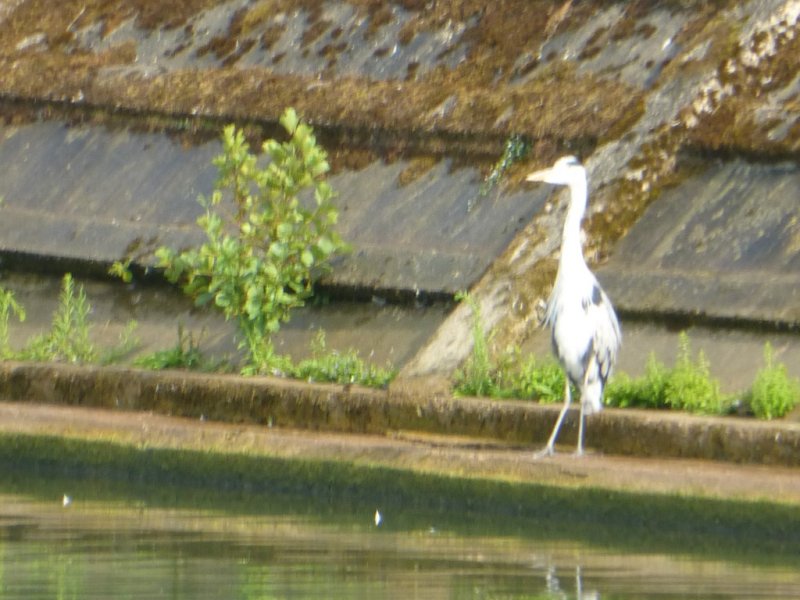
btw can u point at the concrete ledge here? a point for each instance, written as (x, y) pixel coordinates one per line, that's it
(334, 408)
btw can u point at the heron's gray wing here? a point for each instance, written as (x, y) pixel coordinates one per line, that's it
(607, 336)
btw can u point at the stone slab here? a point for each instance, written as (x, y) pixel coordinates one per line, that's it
(97, 195)
(725, 244)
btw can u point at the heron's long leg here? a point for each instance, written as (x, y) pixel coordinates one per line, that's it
(548, 449)
(589, 369)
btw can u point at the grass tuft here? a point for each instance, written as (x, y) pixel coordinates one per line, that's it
(773, 393)
(340, 367)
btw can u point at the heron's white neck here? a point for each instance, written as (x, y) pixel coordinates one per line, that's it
(571, 247)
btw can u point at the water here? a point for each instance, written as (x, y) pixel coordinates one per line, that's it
(165, 543)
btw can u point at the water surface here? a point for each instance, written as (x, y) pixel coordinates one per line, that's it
(157, 545)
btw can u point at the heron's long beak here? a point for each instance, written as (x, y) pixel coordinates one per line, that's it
(538, 175)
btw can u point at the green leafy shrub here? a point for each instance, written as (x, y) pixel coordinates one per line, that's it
(264, 245)
(773, 393)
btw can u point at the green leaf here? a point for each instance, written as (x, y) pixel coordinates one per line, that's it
(271, 271)
(203, 298)
(326, 246)
(284, 231)
(307, 258)
(278, 250)
(222, 300)
(289, 120)
(276, 150)
(122, 270)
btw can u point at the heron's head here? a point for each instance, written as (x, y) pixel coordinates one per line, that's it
(565, 171)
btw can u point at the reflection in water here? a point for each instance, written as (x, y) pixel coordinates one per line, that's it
(554, 589)
(126, 549)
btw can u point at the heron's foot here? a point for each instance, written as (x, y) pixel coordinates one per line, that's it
(544, 452)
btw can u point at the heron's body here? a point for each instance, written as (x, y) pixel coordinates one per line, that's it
(585, 330)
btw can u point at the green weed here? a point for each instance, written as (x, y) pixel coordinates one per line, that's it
(121, 269)
(344, 368)
(773, 393)
(648, 391)
(510, 376)
(325, 366)
(478, 376)
(68, 338)
(185, 354)
(128, 343)
(690, 385)
(516, 148)
(8, 306)
(530, 378)
(687, 386)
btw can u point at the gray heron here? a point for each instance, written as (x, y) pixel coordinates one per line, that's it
(585, 331)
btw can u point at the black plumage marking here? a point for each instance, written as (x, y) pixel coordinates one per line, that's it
(595, 299)
(604, 368)
(605, 361)
(597, 295)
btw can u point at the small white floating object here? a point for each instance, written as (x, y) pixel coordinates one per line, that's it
(378, 518)
(66, 501)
